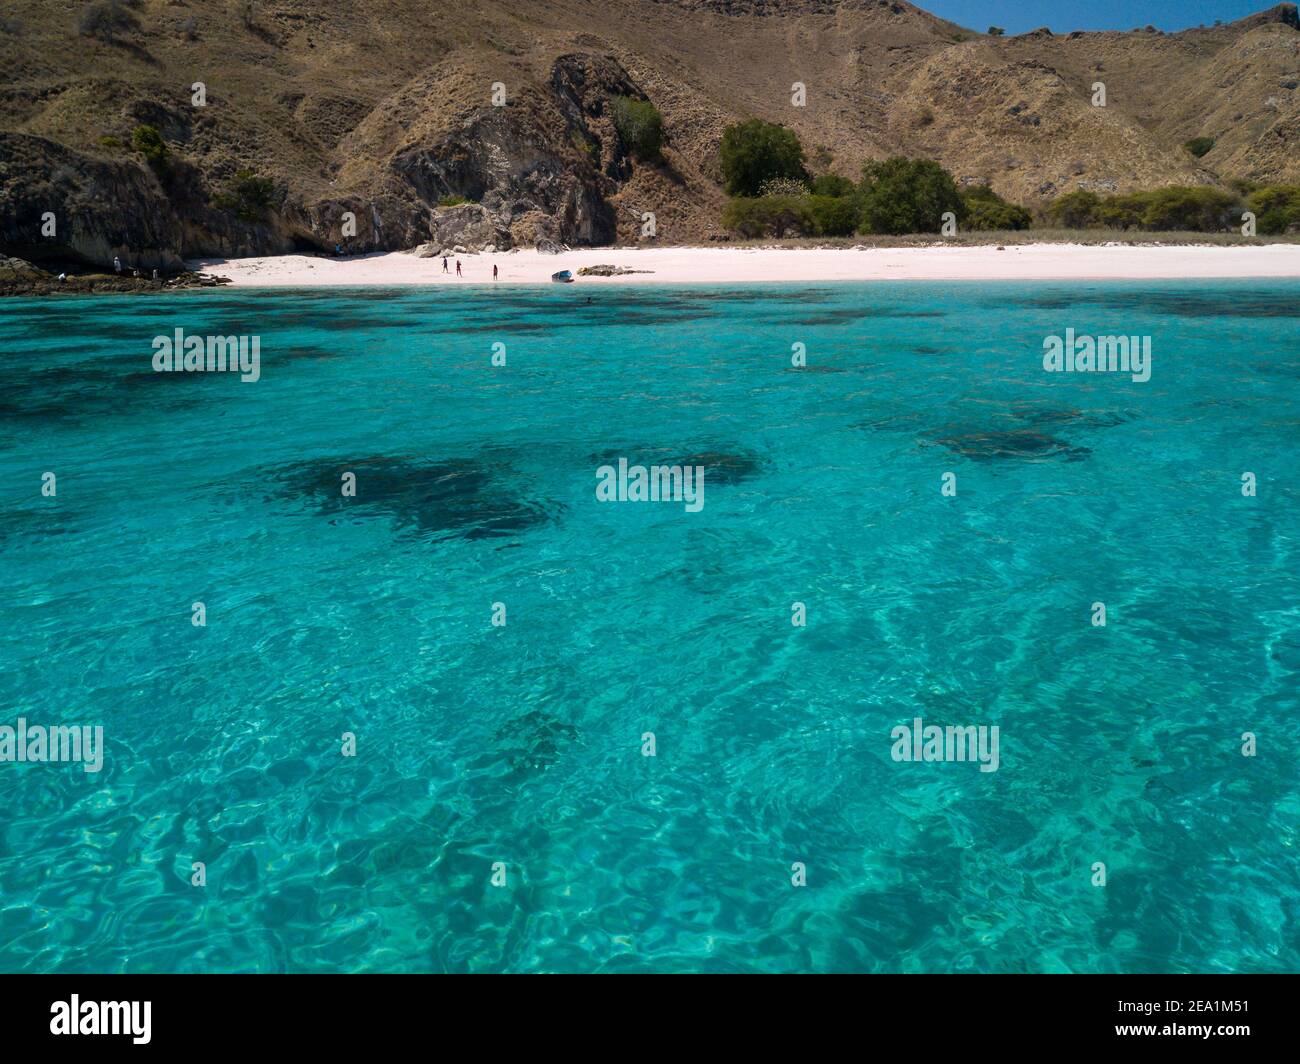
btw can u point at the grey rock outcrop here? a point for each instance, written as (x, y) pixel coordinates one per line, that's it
(467, 224)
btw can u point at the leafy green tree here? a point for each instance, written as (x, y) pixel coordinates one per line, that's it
(1198, 146)
(249, 196)
(1119, 212)
(1075, 210)
(832, 185)
(1201, 209)
(640, 126)
(755, 216)
(1276, 207)
(986, 210)
(903, 195)
(832, 215)
(755, 151)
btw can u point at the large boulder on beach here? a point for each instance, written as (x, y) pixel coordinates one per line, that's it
(604, 269)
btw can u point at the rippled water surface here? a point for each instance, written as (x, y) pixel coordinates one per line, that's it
(523, 744)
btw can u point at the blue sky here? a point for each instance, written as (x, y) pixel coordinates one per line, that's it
(1017, 16)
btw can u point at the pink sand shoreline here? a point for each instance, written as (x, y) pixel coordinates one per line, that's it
(740, 265)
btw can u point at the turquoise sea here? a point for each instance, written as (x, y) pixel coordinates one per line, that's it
(480, 745)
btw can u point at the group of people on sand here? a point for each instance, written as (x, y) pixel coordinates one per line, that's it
(459, 274)
(117, 268)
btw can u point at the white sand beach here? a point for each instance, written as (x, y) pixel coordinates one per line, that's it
(732, 265)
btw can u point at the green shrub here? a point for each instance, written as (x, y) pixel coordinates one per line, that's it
(452, 201)
(248, 196)
(903, 195)
(996, 31)
(1075, 210)
(755, 216)
(1198, 209)
(110, 142)
(832, 215)
(1276, 207)
(986, 210)
(832, 185)
(149, 143)
(755, 151)
(104, 20)
(1202, 209)
(640, 126)
(1119, 212)
(1198, 146)
(744, 214)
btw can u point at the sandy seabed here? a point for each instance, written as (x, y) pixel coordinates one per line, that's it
(734, 265)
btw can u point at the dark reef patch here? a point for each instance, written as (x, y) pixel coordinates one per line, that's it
(1239, 304)
(725, 467)
(984, 445)
(845, 315)
(534, 740)
(38, 522)
(1035, 414)
(755, 294)
(720, 467)
(462, 497)
(91, 389)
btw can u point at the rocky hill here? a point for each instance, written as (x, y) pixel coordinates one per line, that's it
(381, 111)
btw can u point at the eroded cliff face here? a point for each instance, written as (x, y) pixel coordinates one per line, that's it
(542, 165)
(366, 118)
(58, 203)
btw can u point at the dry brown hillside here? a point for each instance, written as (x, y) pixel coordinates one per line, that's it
(383, 109)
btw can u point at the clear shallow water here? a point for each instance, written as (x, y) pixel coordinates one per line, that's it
(479, 744)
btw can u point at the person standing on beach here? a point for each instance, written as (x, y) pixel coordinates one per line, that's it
(494, 271)
(117, 264)
(444, 264)
(458, 273)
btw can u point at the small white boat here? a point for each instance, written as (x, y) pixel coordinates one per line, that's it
(563, 276)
